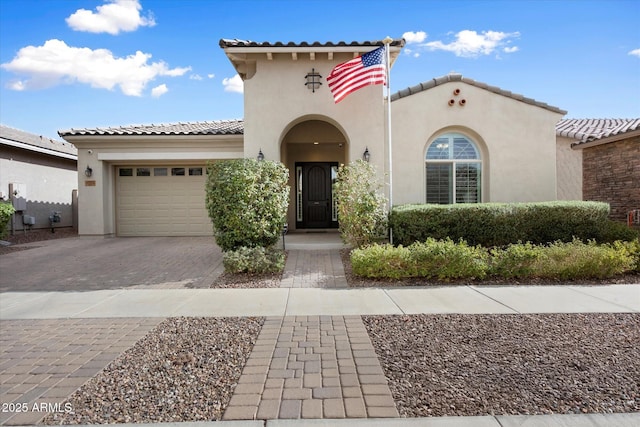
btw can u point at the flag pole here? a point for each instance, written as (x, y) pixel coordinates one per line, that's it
(387, 43)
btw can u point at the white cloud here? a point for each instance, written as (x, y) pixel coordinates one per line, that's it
(195, 77)
(233, 84)
(160, 90)
(112, 17)
(635, 52)
(211, 75)
(56, 63)
(410, 52)
(511, 49)
(414, 36)
(469, 43)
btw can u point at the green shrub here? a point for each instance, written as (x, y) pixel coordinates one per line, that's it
(247, 202)
(634, 251)
(361, 206)
(443, 260)
(6, 210)
(578, 260)
(256, 260)
(565, 260)
(515, 261)
(382, 261)
(614, 230)
(500, 224)
(447, 260)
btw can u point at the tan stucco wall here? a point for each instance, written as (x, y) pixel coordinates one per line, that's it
(273, 106)
(569, 169)
(96, 194)
(517, 141)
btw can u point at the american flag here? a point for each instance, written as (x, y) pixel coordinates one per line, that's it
(367, 69)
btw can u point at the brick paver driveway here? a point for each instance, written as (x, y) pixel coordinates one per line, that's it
(82, 264)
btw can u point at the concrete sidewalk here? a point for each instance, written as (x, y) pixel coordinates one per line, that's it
(318, 301)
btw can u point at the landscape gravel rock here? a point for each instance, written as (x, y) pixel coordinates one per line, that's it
(452, 365)
(184, 370)
(246, 281)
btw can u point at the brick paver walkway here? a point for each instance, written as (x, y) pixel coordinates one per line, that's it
(42, 362)
(314, 269)
(312, 367)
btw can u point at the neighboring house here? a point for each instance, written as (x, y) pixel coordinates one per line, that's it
(454, 140)
(39, 176)
(608, 151)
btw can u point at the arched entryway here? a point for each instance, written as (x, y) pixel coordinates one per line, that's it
(313, 149)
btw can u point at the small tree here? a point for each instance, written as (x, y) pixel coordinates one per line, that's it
(6, 210)
(362, 211)
(247, 201)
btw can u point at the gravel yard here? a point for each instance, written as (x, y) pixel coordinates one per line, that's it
(446, 365)
(184, 370)
(244, 281)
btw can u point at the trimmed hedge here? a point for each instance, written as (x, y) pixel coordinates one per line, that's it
(499, 224)
(448, 260)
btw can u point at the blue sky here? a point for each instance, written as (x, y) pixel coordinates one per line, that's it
(92, 63)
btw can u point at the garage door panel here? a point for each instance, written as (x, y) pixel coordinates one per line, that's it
(161, 205)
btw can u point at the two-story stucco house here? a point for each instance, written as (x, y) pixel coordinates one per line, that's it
(453, 140)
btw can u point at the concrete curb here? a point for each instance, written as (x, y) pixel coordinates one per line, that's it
(555, 420)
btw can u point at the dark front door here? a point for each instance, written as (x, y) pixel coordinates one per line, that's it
(315, 182)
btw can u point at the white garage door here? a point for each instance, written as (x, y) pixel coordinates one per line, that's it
(161, 201)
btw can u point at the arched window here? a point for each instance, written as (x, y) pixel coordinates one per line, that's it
(453, 170)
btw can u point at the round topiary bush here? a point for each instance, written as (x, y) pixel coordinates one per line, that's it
(247, 202)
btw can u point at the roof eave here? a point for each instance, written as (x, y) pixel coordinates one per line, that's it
(607, 140)
(36, 149)
(242, 53)
(455, 77)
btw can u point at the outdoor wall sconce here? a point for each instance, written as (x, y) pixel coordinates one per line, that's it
(313, 80)
(260, 155)
(88, 172)
(366, 155)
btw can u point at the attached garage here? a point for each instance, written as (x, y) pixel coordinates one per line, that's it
(161, 200)
(149, 180)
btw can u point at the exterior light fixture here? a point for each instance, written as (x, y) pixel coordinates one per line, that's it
(313, 80)
(88, 172)
(260, 155)
(366, 155)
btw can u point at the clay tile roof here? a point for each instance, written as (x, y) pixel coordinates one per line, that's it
(454, 77)
(10, 135)
(588, 130)
(218, 127)
(248, 43)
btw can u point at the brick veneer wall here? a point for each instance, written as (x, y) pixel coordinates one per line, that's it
(611, 173)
